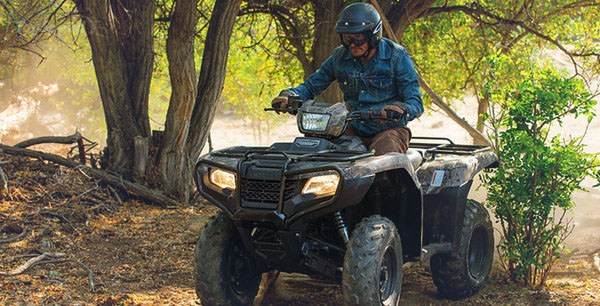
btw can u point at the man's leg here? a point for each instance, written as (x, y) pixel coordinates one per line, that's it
(392, 140)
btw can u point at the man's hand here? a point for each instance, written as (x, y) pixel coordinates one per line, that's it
(392, 111)
(280, 102)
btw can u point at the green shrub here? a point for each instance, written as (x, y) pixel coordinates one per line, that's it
(531, 190)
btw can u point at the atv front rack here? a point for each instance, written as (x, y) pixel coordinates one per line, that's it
(432, 146)
(292, 156)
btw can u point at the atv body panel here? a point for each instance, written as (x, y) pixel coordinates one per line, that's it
(305, 206)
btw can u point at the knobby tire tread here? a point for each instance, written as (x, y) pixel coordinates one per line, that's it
(210, 265)
(361, 261)
(450, 271)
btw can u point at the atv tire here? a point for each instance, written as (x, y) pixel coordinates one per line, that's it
(465, 272)
(224, 272)
(373, 264)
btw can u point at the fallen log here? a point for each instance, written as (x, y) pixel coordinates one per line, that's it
(114, 180)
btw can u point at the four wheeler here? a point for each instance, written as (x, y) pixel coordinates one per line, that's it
(323, 205)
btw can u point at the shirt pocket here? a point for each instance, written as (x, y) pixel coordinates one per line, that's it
(381, 88)
(349, 86)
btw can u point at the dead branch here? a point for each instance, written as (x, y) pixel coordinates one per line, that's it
(49, 139)
(75, 138)
(116, 181)
(4, 179)
(30, 263)
(9, 240)
(47, 258)
(116, 195)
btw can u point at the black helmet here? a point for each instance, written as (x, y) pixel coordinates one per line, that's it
(360, 18)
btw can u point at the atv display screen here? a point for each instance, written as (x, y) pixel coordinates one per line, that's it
(313, 122)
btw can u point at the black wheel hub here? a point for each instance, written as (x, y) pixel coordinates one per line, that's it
(388, 274)
(477, 252)
(242, 273)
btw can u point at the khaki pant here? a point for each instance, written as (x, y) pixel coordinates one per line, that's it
(391, 140)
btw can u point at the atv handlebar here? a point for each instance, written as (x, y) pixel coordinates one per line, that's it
(294, 104)
(364, 116)
(367, 116)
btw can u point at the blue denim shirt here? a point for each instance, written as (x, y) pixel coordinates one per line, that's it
(389, 76)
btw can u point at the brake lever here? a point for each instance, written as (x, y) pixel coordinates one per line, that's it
(288, 110)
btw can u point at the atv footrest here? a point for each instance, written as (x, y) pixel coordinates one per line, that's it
(435, 248)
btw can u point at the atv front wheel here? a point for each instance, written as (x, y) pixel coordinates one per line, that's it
(463, 273)
(224, 271)
(373, 264)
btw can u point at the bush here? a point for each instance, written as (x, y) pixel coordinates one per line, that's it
(531, 190)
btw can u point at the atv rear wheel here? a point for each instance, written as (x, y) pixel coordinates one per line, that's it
(463, 273)
(225, 273)
(373, 264)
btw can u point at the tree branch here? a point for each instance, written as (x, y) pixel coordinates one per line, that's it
(476, 11)
(437, 100)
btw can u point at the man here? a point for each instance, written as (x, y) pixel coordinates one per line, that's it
(375, 74)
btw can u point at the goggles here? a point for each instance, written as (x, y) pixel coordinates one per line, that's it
(347, 41)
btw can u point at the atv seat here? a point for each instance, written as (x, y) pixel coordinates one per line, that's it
(415, 158)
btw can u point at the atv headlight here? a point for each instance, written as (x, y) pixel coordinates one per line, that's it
(313, 122)
(322, 185)
(221, 178)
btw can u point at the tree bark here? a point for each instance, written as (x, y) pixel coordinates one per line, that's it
(173, 159)
(212, 75)
(121, 37)
(326, 40)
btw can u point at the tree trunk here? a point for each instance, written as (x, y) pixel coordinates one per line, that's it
(326, 40)
(173, 160)
(121, 37)
(212, 75)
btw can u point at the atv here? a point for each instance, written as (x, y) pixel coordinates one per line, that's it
(324, 206)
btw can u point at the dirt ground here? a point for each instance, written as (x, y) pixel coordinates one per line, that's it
(141, 254)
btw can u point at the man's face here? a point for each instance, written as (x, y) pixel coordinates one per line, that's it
(351, 39)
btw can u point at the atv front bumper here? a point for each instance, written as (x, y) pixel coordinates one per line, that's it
(272, 192)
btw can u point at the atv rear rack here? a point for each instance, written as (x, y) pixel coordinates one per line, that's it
(432, 146)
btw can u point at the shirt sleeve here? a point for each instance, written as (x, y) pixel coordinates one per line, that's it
(316, 82)
(408, 86)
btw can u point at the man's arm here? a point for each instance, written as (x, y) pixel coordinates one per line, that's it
(408, 86)
(316, 82)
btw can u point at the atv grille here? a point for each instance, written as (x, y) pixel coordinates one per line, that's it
(265, 191)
